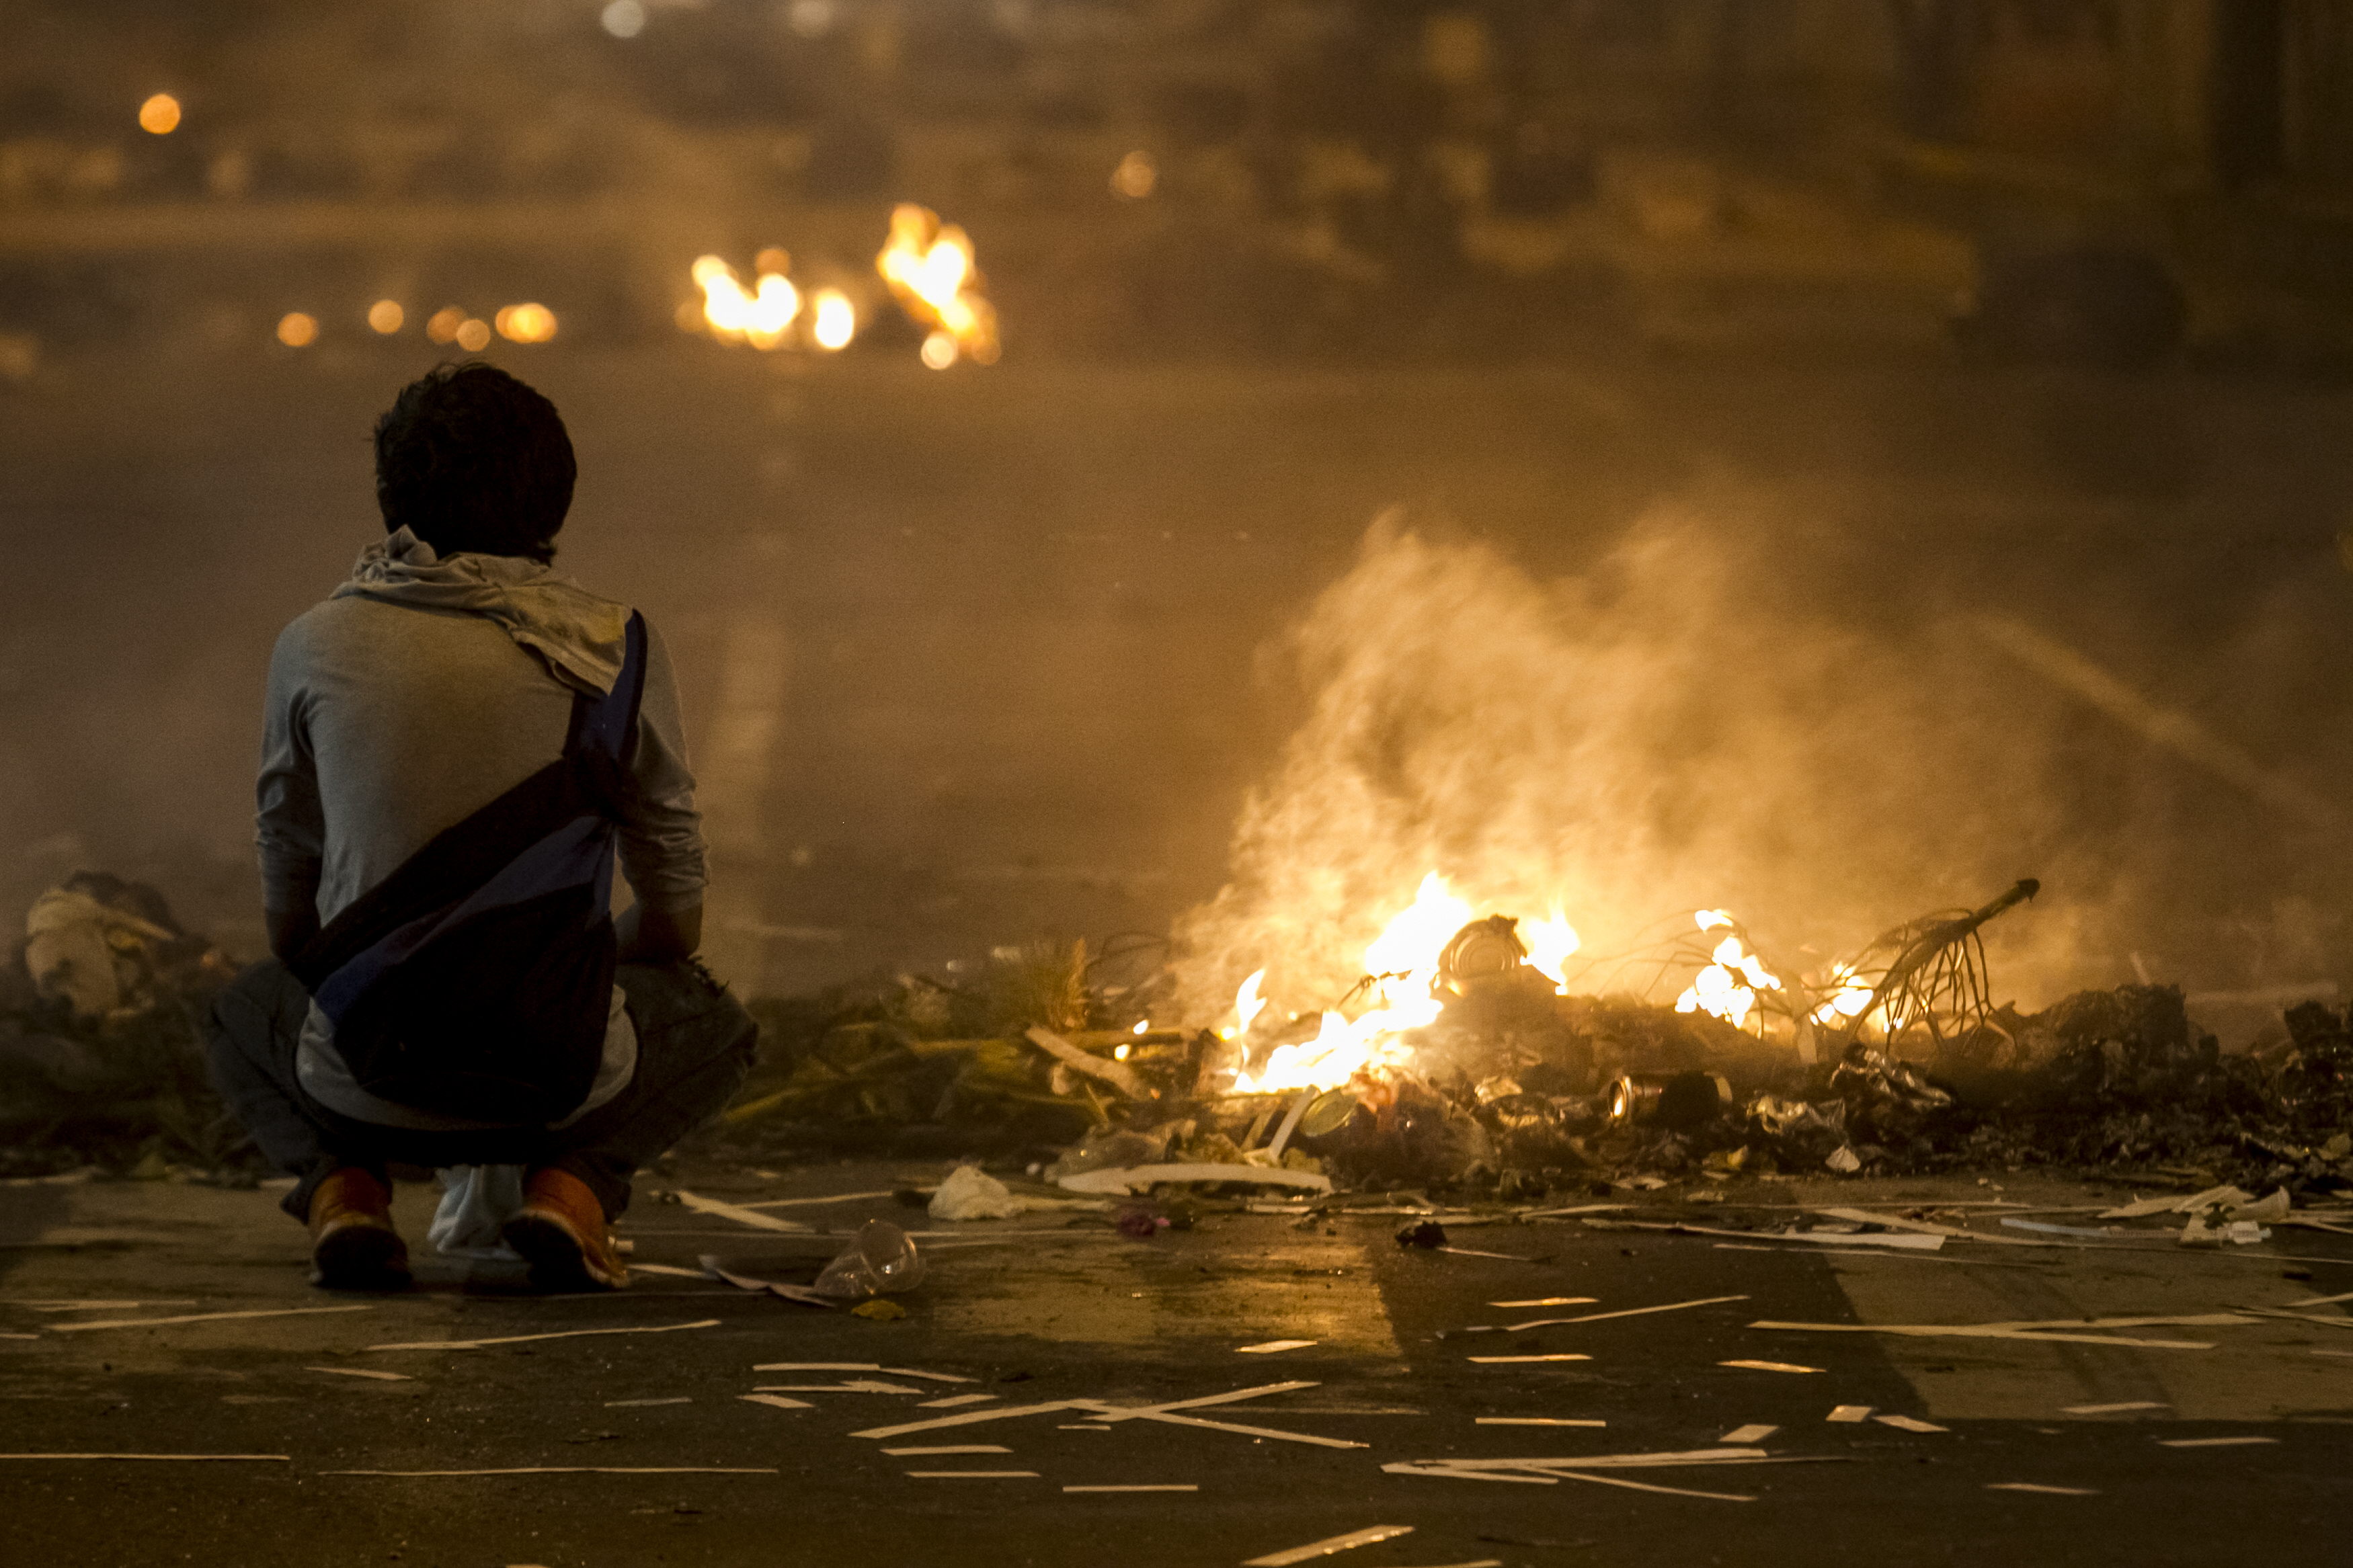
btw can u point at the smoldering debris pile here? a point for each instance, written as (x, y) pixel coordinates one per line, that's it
(102, 1042)
(1518, 1092)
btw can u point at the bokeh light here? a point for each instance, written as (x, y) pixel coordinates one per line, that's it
(297, 329)
(624, 18)
(442, 326)
(160, 115)
(473, 334)
(939, 350)
(387, 316)
(833, 320)
(1136, 177)
(529, 323)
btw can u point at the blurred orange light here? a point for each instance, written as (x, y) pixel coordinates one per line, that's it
(298, 330)
(387, 316)
(833, 320)
(443, 324)
(473, 335)
(939, 350)
(160, 115)
(525, 323)
(1137, 176)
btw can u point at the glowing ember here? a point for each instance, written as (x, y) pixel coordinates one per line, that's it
(930, 269)
(1728, 987)
(759, 316)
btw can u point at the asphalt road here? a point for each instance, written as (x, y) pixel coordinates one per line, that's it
(1057, 1307)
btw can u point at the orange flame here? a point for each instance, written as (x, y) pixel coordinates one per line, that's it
(931, 271)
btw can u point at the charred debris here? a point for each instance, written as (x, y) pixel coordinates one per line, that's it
(1900, 1065)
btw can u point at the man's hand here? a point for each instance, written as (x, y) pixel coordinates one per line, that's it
(659, 936)
(290, 930)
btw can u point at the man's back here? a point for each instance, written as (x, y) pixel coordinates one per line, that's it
(411, 720)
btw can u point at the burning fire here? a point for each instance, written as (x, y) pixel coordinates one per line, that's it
(1402, 970)
(1403, 963)
(1728, 987)
(930, 269)
(1849, 996)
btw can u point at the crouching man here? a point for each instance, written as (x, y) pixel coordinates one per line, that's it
(456, 744)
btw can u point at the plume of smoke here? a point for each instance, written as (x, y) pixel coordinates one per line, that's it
(1684, 727)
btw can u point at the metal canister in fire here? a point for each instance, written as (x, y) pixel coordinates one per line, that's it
(1483, 950)
(1679, 1100)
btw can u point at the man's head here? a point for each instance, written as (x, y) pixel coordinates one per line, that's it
(468, 458)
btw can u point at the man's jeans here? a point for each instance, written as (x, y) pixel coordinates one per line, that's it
(695, 1044)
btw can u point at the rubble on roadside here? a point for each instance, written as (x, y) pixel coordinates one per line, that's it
(101, 1039)
(1518, 1095)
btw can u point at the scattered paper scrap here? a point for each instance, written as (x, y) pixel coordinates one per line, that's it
(1271, 1346)
(667, 1270)
(2038, 1488)
(54, 1306)
(855, 1385)
(1854, 1413)
(740, 1214)
(1330, 1545)
(1623, 1312)
(1232, 1396)
(880, 1309)
(1909, 1424)
(1128, 1179)
(1148, 1487)
(1642, 1461)
(183, 1458)
(805, 1203)
(776, 1400)
(524, 1339)
(2015, 1332)
(1548, 1301)
(2117, 1409)
(972, 1474)
(1756, 1432)
(1537, 1421)
(1653, 1487)
(968, 1418)
(800, 1293)
(942, 1450)
(2213, 1442)
(364, 1372)
(1163, 1413)
(202, 1318)
(643, 1403)
(956, 1401)
(581, 1470)
(1509, 1360)
(859, 1366)
(1770, 1366)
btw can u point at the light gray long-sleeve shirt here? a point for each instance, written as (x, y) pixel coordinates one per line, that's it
(387, 722)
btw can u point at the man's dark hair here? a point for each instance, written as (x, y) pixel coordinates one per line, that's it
(468, 458)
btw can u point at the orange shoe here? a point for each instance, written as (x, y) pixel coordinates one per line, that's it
(561, 1232)
(352, 1243)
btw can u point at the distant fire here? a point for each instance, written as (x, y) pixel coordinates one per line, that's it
(930, 269)
(927, 266)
